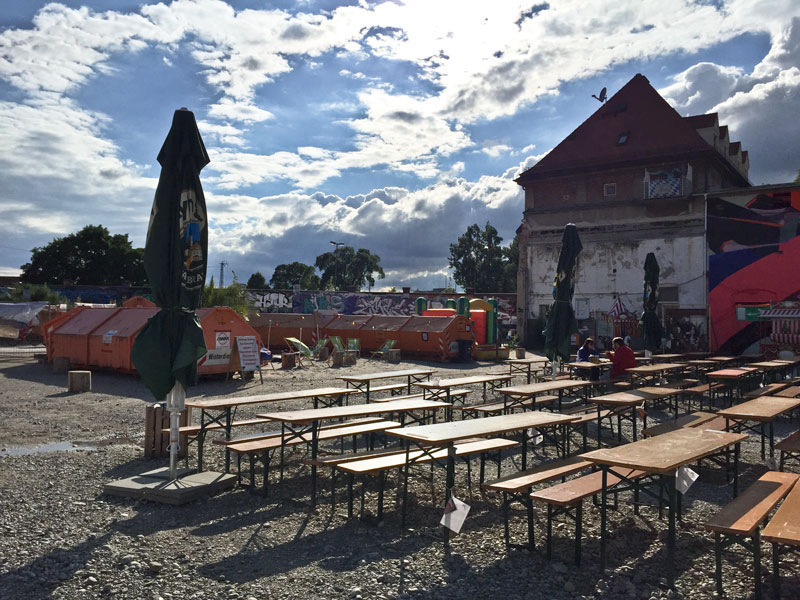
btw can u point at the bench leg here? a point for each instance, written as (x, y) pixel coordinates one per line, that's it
(350, 479)
(252, 458)
(483, 464)
(267, 458)
(505, 520)
(363, 494)
(549, 531)
(333, 488)
(718, 562)
(381, 483)
(405, 494)
(239, 468)
(578, 532)
(776, 577)
(757, 563)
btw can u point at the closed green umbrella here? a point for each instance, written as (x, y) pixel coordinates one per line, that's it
(561, 323)
(167, 349)
(650, 324)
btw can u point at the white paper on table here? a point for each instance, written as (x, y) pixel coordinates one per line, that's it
(684, 479)
(455, 513)
(771, 464)
(535, 437)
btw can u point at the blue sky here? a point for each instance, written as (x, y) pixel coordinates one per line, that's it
(391, 126)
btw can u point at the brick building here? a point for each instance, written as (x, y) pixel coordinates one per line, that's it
(635, 178)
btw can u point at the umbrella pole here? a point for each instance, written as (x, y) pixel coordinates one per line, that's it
(176, 403)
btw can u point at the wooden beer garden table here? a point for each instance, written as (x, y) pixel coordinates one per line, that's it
(298, 423)
(525, 366)
(362, 382)
(221, 411)
(584, 367)
(428, 438)
(660, 457)
(635, 400)
(768, 367)
(519, 393)
(654, 370)
(440, 390)
(762, 410)
(732, 378)
(665, 358)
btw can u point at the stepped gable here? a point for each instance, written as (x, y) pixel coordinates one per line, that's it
(635, 125)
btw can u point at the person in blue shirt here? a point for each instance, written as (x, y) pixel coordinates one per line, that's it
(587, 350)
(584, 352)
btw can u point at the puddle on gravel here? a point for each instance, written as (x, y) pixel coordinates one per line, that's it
(52, 447)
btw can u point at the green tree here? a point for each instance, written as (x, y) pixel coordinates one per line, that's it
(285, 276)
(347, 268)
(511, 265)
(257, 282)
(27, 292)
(477, 259)
(91, 256)
(234, 296)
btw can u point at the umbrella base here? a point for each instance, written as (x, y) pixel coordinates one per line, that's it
(156, 486)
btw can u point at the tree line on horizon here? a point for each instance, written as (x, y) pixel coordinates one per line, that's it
(92, 256)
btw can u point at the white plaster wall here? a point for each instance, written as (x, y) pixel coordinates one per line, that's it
(681, 260)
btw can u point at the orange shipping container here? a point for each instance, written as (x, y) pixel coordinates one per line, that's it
(103, 337)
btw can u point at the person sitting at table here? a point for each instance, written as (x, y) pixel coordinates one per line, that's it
(587, 350)
(622, 358)
(584, 353)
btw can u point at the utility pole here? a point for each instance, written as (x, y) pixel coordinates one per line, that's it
(222, 266)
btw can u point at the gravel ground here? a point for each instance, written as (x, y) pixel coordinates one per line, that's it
(60, 537)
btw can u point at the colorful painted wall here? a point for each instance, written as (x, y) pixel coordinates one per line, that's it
(754, 258)
(356, 303)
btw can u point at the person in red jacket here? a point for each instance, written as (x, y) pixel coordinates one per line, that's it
(622, 358)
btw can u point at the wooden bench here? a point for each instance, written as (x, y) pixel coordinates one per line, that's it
(783, 532)
(682, 384)
(567, 499)
(263, 449)
(587, 414)
(388, 387)
(789, 448)
(460, 394)
(792, 391)
(702, 391)
(695, 419)
(742, 519)
(768, 390)
(516, 487)
(380, 465)
(495, 408)
(277, 433)
(196, 429)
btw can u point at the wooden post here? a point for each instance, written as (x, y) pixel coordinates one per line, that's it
(288, 360)
(324, 353)
(79, 381)
(336, 358)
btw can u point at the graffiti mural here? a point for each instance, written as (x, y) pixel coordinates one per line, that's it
(754, 250)
(357, 303)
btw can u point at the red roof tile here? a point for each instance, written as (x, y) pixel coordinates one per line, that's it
(653, 129)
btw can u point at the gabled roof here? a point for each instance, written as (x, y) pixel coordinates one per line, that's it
(702, 121)
(635, 125)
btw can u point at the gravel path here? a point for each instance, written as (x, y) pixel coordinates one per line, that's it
(60, 537)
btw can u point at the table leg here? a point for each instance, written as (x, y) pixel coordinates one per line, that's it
(314, 445)
(671, 532)
(228, 420)
(599, 422)
(736, 470)
(524, 449)
(771, 440)
(633, 421)
(603, 500)
(449, 484)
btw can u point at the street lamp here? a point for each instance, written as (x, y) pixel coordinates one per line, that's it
(336, 246)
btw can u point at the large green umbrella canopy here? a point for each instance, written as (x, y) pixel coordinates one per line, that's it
(175, 259)
(561, 323)
(650, 323)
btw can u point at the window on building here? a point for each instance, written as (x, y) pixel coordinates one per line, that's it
(622, 138)
(609, 189)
